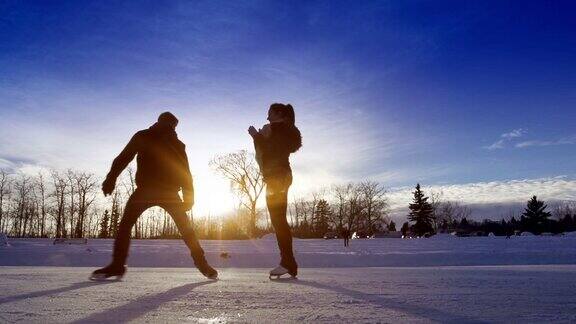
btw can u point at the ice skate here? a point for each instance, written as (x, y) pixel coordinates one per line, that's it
(108, 272)
(207, 270)
(279, 271)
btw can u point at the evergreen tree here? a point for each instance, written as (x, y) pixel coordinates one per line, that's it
(422, 213)
(392, 226)
(104, 225)
(523, 223)
(321, 216)
(536, 216)
(514, 223)
(405, 228)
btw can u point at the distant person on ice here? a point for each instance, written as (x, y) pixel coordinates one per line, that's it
(273, 144)
(162, 170)
(346, 237)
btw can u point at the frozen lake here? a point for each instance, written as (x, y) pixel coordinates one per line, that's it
(442, 279)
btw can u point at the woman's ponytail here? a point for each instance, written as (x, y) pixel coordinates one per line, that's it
(290, 116)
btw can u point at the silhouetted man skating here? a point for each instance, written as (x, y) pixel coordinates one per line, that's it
(162, 170)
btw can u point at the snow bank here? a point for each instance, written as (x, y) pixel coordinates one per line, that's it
(440, 250)
(3, 240)
(269, 236)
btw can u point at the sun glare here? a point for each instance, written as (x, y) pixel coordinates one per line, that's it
(213, 196)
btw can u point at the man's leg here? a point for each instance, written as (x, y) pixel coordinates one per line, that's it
(175, 208)
(135, 206)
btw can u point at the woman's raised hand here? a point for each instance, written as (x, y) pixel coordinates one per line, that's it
(252, 131)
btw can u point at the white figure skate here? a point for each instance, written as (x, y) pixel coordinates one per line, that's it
(279, 271)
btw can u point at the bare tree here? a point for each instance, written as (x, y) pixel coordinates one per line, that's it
(303, 215)
(85, 184)
(305, 210)
(5, 190)
(23, 189)
(436, 201)
(42, 203)
(245, 180)
(356, 208)
(341, 195)
(449, 213)
(60, 186)
(563, 208)
(462, 211)
(373, 197)
(70, 177)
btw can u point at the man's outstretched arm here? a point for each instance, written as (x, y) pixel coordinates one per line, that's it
(119, 164)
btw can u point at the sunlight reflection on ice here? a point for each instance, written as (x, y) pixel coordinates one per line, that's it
(215, 320)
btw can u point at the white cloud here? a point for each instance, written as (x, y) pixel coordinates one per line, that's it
(564, 141)
(6, 164)
(514, 133)
(496, 145)
(517, 133)
(506, 137)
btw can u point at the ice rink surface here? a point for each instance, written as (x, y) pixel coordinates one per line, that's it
(170, 295)
(441, 279)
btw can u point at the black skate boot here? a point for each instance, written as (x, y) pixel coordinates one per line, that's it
(111, 270)
(206, 270)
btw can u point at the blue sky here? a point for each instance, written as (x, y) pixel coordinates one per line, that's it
(438, 92)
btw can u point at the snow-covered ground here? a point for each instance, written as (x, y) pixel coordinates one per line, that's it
(442, 279)
(440, 250)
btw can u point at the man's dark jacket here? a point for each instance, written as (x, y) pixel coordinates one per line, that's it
(162, 164)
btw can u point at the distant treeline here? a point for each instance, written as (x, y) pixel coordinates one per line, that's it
(427, 218)
(69, 204)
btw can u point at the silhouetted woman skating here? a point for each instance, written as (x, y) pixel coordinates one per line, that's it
(273, 144)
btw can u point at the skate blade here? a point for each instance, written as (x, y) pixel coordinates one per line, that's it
(103, 277)
(279, 277)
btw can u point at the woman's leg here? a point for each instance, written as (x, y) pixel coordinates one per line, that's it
(277, 201)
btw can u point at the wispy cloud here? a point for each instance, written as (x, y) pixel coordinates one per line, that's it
(563, 141)
(6, 164)
(506, 137)
(515, 133)
(496, 145)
